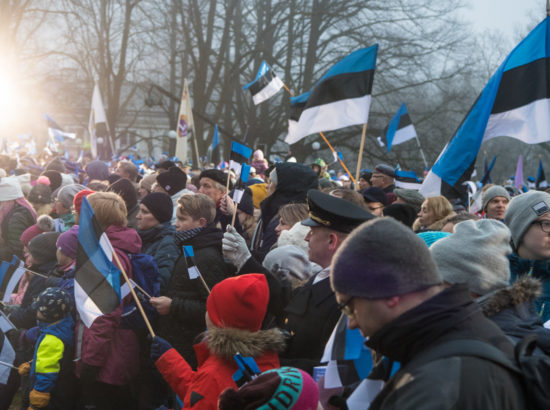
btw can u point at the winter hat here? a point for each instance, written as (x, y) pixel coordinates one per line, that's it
(43, 179)
(127, 191)
(475, 254)
(410, 196)
(77, 200)
(53, 303)
(113, 178)
(66, 194)
(216, 175)
(431, 237)
(259, 193)
(247, 295)
(43, 247)
(246, 205)
(295, 236)
(383, 258)
(404, 213)
(172, 181)
(160, 205)
(44, 223)
(10, 189)
(523, 210)
(385, 169)
(40, 194)
(25, 183)
(166, 165)
(56, 165)
(54, 177)
(258, 155)
(67, 242)
(283, 388)
(147, 182)
(375, 194)
(289, 262)
(97, 170)
(493, 192)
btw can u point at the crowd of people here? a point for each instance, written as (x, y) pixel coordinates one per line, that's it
(272, 274)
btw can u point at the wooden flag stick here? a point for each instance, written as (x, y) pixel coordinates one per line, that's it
(360, 158)
(9, 365)
(339, 159)
(133, 292)
(227, 183)
(141, 289)
(234, 215)
(37, 274)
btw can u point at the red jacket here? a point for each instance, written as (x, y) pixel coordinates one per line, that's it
(200, 389)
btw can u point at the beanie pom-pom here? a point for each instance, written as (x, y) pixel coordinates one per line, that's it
(45, 222)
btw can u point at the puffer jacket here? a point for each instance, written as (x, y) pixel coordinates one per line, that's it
(105, 344)
(200, 389)
(513, 310)
(160, 244)
(539, 270)
(13, 225)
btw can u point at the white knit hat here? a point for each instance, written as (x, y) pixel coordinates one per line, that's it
(10, 189)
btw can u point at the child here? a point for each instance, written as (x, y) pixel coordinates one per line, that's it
(51, 369)
(235, 310)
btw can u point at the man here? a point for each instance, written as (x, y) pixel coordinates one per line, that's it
(495, 201)
(382, 177)
(128, 170)
(387, 283)
(376, 200)
(409, 197)
(213, 183)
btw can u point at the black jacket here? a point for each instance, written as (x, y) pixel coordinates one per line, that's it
(463, 382)
(186, 318)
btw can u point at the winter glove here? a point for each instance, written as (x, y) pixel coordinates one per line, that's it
(234, 248)
(39, 399)
(24, 369)
(159, 347)
(88, 373)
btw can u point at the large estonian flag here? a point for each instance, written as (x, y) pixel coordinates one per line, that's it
(240, 154)
(7, 355)
(97, 125)
(10, 275)
(514, 103)
(341, 98)
(97, 279)
(265, 85)
(55, 131)
(400, 128)
(541, 182)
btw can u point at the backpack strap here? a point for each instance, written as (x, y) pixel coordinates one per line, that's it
(465, 347)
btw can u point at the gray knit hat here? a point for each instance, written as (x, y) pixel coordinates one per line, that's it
(523, 210)
(289, 262)
(383, 258)
(66, 194)
(493, 192)
(410, 196)
(475, 254)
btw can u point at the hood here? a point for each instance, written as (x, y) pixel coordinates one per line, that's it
(124, 238)
(229, 341)
(295, 178)
(524, 290)
(63, 329)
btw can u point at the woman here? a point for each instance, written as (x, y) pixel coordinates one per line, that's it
(157, 234)
(433, 214)
(288, 216)
(109, 354)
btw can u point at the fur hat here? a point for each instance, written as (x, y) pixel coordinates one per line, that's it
(523, 210)
(10, 189)
(160, 205)
(66, 194)
(44, 223)
(40, 194)
(53, 303)
(493, 192)
(247, 295)
(380, 259)
(43, 247)
(286, 387)
(67, 242)
(289, 262)
(172, 181)
(475, 254)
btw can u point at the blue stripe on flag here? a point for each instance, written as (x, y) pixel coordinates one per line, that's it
(394, 124)
(188, 250)
(245, 172)
(241, 149)
(264, 68)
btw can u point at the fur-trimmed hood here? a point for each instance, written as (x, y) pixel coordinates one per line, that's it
(526, 289)
(226, 342)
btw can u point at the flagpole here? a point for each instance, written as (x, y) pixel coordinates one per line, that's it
(133, 292)
(9, 365)
(337, 156)
(421, 152)
(360, 159)
(234, 215)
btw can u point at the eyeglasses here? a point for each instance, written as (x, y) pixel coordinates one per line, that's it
(544, 225)
(345, 307)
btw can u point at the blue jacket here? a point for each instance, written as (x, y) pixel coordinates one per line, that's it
(159, 243)
(536, 269)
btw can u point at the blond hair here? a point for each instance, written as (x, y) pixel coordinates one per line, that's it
(292, 213)
(441, 208)
(197, 206)
(109, 208)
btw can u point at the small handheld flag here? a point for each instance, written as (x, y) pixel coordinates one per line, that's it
(192, 268)
(216, 138)
(248, 369)
(541, 182)
(239, 154)
(265, 85)
(400, 129)
(518, 177)
(241, 183)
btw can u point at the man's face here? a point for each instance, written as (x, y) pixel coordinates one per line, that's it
(376, 208)
(535, 244)
(496, 207)
(367, 315)
(378, 180)
(319, 240)
(209, 188)
(363, 184)
(185, 222)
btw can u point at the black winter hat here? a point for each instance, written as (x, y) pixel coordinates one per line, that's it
(404, 213)
(43, 247)
(40, 194)
(53, 303)
(216, 175)
(54, 177)
(126, 190)
(56, 165)
(160, 205)
(172, 181)
(246, 205)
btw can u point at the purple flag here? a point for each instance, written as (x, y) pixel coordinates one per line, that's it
(518, 179)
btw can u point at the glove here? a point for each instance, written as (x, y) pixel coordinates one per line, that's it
(234, 248)
(39, 398)
(88, 373)
(24, 369)
(159, 347)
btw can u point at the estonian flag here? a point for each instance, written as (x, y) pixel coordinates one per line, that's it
(514, 103)
(55, 131)
(541, 177)
(400, 128)
(241, 183)
(407, 180)
(487, 176)
(190, 260)
(240, 154)
(7, 355)
(97, 279)
(265, 85)
(339, 99)
(97, 125)
(10, 275)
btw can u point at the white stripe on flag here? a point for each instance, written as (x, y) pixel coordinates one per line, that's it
(105, 245)
(86, 307)
(235, 166)
(268, 91)
(431, 185)
(15, 278)
(408, 185)
(238, 195)
(125, 289)
(5, 323)
(404, 134)
(328, 117)
(7, 355)
(364, 394)
(193, 272)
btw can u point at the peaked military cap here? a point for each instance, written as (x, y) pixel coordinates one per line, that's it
(334, 213)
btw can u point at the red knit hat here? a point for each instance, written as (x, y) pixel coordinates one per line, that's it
(77, 201)
(239, 302)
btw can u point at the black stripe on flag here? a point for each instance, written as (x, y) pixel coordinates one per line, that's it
(235, 156)
(262, 82)
(404, 121)
(341, 87)
(6, 279)
(522, 85)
